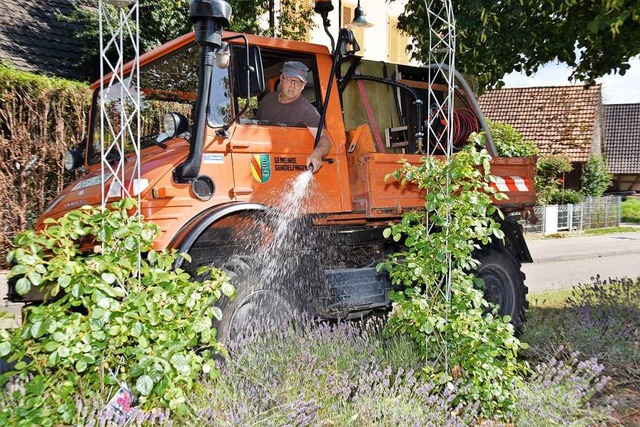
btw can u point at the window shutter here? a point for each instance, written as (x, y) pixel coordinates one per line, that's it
(398, 41)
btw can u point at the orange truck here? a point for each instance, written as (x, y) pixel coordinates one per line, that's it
(209, 170)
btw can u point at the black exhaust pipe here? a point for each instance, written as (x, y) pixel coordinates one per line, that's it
(210, 17)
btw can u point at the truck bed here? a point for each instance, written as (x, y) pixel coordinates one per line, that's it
(376, 198)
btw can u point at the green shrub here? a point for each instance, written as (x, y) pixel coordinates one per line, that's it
(509, 142)
(461, 342)
(564, 197)
(595, 177)
(549, 171)
(112, 319)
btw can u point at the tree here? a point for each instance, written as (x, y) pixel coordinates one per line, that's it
(164, 20)
(593, 37)
(595, 177)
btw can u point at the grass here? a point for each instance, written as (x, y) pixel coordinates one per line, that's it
(631, 210)
(602, 231)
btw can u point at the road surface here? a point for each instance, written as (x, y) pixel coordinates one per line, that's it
(564, 262)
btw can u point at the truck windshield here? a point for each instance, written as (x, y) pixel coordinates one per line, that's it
(168, 84)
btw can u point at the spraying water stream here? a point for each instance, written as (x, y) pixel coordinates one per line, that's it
(278, 257)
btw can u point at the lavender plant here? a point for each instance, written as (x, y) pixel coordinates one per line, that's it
(600, 319)
(347, 374)
(559, 392)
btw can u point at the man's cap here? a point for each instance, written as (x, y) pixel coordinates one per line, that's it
(295, 69)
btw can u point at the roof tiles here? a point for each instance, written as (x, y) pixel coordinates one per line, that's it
(622, 138)
(559, 119)
(34, 38)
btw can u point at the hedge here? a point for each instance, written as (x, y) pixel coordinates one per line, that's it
(40, 117)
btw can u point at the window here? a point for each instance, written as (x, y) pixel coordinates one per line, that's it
(168, 84)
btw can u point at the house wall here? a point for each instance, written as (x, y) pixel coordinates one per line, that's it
(626, 182)
(381, 42)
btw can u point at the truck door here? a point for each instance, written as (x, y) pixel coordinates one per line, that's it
(269, 156)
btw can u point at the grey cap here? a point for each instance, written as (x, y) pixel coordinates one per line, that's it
(295, 69)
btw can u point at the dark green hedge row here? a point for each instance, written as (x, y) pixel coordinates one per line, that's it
(39, 118)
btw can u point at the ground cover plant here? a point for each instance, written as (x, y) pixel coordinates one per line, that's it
(353, 374)
(599, 320)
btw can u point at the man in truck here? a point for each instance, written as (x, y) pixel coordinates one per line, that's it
(287, 105)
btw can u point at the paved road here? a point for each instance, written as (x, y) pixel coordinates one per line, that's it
(564, 262)
(558, 263)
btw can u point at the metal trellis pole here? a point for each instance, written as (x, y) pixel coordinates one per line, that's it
(440, 118)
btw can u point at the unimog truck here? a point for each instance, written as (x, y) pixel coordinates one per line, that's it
(209, 170)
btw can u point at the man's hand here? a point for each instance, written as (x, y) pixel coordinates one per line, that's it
(315, 158)
(314, 161)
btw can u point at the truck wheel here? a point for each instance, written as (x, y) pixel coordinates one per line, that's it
(503, 283)
(258, 306)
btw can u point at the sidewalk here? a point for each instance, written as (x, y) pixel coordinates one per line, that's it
(584, 247)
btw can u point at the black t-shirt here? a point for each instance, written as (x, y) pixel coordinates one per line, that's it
(298, 111)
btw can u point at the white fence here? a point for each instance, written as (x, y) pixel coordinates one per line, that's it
(594, 212)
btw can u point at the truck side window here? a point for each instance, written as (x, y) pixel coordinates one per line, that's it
(272, 61)
(219, 102)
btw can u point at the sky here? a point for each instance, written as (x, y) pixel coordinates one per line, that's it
(616, 89)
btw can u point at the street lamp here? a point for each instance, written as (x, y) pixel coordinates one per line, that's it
(359, 20)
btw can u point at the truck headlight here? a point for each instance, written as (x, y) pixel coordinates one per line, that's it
(174, 124)
(72, 159)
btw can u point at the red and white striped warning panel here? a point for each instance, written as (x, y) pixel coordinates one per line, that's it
(506, 184)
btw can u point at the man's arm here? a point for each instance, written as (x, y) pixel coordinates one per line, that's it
(314, 161)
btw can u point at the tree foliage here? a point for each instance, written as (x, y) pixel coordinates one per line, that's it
(595, 177)
(509, 142)
(549, 173)
(594, 37)
(163, 20)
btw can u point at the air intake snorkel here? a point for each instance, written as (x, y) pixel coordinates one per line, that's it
(209, 16)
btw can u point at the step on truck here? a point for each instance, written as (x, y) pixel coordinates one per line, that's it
(209, 169)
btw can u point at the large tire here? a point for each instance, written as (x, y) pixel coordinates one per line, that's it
(258, 306)
(503, 283)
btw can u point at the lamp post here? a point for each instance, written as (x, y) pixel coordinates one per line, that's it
(359, 20)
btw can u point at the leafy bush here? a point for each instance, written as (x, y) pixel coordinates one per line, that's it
(595, 177)
(549, 170)
(509, 142)
(462, 343)
(564, 197)
(113, 320)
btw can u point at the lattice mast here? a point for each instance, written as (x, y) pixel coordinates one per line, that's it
(119, 36)
(440, 113)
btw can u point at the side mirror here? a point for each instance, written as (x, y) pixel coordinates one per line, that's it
(248, 71)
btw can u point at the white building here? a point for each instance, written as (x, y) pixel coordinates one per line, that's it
(380, 42)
